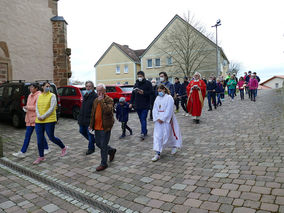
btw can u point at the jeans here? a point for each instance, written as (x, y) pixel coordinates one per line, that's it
(253, 94)
(242, 94)
(84, 130)
(142, 114)
(124, 126)
(211, 95)
(184, 103)
(219, 99)
(177, 103)
(49, 128)
(102, 140)
(232, 93)
(29, 132)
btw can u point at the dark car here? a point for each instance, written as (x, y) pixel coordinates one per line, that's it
(13, 96)
(117, 91)
(71, 98)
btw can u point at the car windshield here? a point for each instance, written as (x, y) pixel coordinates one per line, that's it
(127, 89)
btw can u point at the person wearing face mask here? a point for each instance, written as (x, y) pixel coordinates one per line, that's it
(140, 99)
(166, 128)
(253, 85)
(85, 115)
(45, 121)
(164, 80)
(211, 93)
(196, 91)
(153, 97)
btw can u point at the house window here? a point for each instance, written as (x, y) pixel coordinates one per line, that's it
(157, 62)
(276, 85)
(126, 83)
(169, 61)
(117, 69)
(149, 63)
(125, 68)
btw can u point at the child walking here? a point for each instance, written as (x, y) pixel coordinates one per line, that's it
(220, 92)
(122, 114)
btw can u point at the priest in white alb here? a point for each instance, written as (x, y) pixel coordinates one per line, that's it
(166, 128)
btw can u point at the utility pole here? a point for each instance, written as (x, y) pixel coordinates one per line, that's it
(218, 23)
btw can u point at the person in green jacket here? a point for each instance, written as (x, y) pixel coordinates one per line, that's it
(232, 87)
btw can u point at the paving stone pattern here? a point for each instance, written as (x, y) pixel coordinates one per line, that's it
(230, 162)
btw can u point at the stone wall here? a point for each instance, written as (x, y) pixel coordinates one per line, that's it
(27, 30)
(61, 54)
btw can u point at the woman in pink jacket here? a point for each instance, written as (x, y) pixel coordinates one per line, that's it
(253, 85)
(30, 110)
(241, 85)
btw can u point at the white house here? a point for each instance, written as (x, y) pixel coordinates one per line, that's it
(274, 82)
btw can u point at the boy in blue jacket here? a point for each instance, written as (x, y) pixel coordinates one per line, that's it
(122, 112)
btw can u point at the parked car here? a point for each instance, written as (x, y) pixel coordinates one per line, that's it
(13, 96)
(117, 91)
(71, 98)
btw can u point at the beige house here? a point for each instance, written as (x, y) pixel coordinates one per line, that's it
(118, 65)
(273, 83)
(33, 42)
(164, 52)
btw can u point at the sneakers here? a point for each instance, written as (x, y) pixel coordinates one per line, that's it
(38, 160)
(186, 115)
(156, 158)
(122, 136)
(19, 154)
(130, 131)
(64, 151)
(183, 114)
(142, 136)
(46, 151)
(174, 151)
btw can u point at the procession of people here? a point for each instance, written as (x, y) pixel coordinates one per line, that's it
(162, 99)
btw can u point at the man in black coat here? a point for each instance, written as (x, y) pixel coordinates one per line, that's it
(211, 93)
(140, 99)
(85, 115)
(184, 95)
(178, 92)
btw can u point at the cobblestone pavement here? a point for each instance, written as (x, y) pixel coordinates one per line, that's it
(230, 162)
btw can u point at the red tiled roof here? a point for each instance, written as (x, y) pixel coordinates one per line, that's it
(133, 54)
(276, 76)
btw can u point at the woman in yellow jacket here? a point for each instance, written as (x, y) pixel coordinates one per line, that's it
(45, 121)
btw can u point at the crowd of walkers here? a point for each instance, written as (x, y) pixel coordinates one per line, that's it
(96, 117)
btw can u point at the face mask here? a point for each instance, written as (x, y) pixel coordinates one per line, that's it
(161, 94)
(88, 91)
(140, 79)
(153, 84)
(47, 89)
(210, 80)
(162, 79)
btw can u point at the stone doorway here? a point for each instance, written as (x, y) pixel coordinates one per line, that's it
(5, 63)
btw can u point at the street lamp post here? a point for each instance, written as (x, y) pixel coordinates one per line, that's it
(218, 23)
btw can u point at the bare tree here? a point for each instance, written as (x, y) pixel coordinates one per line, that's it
(234, 67)
(187, 44)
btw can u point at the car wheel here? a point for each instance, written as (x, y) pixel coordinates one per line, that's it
(75, 112)
(16, 120)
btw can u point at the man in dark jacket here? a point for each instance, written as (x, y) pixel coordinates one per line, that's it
(85, 115)
(211, 93)
(140, 99)
(184, 95)
(177, 96)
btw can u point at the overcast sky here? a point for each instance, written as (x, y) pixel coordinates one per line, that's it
(252, 31)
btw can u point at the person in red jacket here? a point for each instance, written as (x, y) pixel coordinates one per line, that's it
(253, 85)
(196, 91)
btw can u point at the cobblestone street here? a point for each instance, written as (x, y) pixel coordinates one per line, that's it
(231, 162)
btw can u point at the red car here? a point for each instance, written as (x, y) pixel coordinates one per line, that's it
(71, 98)
(117, 91)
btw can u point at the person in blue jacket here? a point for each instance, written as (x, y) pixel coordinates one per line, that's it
(164, 80)
(219, 92)
(211, 93)
(122, 114)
